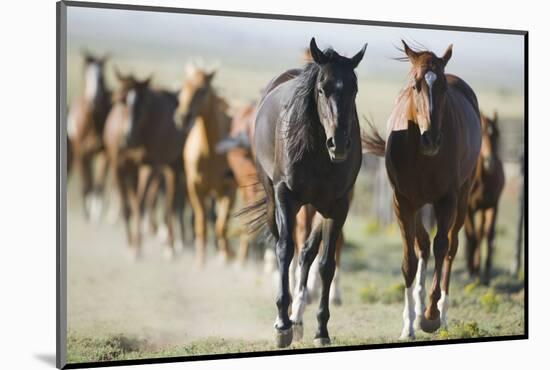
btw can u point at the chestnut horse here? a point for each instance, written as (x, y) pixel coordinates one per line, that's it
(308, 151)
(207, 172)
(144, 143)
(484, 196)
(431, 153)
(85, 123)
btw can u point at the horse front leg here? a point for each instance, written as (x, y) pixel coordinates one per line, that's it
(335, 291)
(461, 210)
(445, 211)
(491, 218)
(86, 176)
(406, 216)
(471, 241)
(170, 184)
(422, 248)
(97, 196)
(285, 218)
(332, 228)
(307, 255)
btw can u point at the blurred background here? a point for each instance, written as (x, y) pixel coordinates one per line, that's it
(118, 309)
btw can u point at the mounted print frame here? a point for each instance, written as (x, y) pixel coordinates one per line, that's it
(241, 184)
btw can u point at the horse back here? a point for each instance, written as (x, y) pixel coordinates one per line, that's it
(463, 111)
(270, 108)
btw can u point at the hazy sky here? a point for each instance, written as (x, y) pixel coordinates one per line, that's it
(493, 59)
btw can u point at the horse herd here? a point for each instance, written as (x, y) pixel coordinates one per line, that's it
(294, 157)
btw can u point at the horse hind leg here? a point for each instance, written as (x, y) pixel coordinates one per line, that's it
(446, 213)
(335, 291)
(286, 218)
(223, 205)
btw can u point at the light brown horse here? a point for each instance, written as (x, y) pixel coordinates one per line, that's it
(483, 204)
(207, 172)
(431, 153)
(85, 123)
(144, 143)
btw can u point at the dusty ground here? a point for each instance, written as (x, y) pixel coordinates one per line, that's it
(119, 308)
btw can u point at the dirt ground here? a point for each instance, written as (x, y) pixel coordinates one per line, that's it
(120, 308)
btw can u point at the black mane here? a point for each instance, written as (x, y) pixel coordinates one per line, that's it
(303, 124)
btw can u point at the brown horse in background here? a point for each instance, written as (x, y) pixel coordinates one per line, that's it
(484, 196)
(85, 123)
(207, 172)
(236, 146)
(431, 153)
(144, 143)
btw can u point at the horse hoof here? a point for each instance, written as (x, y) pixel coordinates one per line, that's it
(417, 321)
(298, 331)
(337, 301)
(429, 326)
(283, 337)
(406, 337)
(168, 253)
(321, 342)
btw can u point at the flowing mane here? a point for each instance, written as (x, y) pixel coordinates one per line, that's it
(303, 122)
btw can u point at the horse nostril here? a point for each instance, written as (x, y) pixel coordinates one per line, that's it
(330, 143)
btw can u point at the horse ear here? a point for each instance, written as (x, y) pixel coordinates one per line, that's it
(495, 116)
(448, 54)
(86, 54)
(190, 69)
(119, 75)
(318, 56)
(210, 75)
(106, 57)
(147, 81)
(413, 55)
(358, 57)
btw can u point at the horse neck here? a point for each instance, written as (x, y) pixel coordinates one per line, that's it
(213, 117)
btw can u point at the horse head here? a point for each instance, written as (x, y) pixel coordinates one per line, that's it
(335, 90)
(194, 95)
(489, 141)
(429, 87)
(136, 95)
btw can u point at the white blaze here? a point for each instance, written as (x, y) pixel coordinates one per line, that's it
(430, 78)
(91, 83)
(130, 101)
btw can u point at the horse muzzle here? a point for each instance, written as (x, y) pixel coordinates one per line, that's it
(429, 145)
(338, 151)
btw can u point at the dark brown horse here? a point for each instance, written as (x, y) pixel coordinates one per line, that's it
(308, 151)
(144, 143)
(431, 153)
(85, 123)
(483, 204)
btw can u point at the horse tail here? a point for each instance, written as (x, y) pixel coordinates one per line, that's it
(372, 142)
(254, 215)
